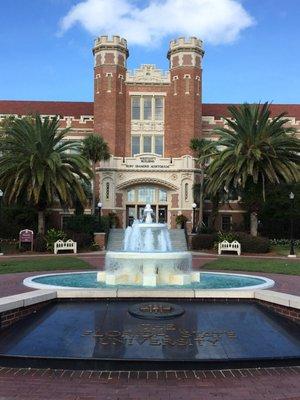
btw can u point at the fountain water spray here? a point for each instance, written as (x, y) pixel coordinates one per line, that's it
(147, 258)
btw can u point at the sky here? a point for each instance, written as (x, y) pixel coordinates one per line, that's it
(252, 47)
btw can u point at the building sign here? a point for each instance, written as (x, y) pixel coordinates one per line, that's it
(26, 236)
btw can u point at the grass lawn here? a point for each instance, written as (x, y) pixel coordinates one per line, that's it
(255, 265)
(43, 264)
(284, 249)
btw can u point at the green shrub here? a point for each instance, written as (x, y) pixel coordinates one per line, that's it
(253, 244)
(52, 236)
(87, 224)
(95, 246)
(15, 218)
(181, 220)
(203, 241)
(40, 244)
(229, 236)
(83, 240)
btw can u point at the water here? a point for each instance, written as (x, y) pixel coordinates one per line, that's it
(147, 258)
(208, 280)
(142, 237)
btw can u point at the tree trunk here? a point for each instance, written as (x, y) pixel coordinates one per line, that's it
(253, 223)
(200, 221)
(41, 222)
(93, 210)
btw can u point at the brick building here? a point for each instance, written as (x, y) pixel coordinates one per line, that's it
(148, 117)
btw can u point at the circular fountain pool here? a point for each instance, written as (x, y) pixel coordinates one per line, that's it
(208, 280)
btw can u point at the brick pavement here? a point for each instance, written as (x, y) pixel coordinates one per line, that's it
(243, 384)
(12, 283)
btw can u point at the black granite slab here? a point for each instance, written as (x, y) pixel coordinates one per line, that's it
(102, 334)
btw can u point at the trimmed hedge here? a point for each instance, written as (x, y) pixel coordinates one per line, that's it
(249, 244)
(253, 244)
(203, 241)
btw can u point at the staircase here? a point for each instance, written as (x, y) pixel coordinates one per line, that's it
(178, 239)
(116, 238)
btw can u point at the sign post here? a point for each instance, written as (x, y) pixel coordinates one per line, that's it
(26, 236)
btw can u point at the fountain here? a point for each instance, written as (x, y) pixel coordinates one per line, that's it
(147, 258)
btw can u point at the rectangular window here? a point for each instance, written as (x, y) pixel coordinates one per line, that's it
(135, 145)
(162, 195)
(226, 223)
(159, 108)
(146, 195)
(131, 195)
(147, 108)
(136, 108)
(159, 145)
(147, 144)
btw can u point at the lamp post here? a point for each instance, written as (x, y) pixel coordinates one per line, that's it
(1, 195)
(194, 205)
(99, 205)
(292, 250)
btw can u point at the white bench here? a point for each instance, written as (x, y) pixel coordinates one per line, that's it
(68, 245)
(226, 246)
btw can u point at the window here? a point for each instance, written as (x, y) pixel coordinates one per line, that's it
(226, 223)
(159, 145)
(131, 195)
(147, 108)
(136, 109)
(107, 191)
(159, 108)
(162, 195)
(186, 192)
(146, 195)
(147, 144)
(135, 145)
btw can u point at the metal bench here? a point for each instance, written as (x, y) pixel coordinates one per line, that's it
(226, 246)
(68, 245)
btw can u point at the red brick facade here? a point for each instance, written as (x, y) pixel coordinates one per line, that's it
(170, 169)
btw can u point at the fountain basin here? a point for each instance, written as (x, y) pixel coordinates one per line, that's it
(84, 281)
(148, 269)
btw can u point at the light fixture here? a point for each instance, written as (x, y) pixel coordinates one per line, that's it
(291, 196)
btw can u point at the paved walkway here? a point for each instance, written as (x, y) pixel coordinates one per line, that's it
(243, 384)
(13, 283)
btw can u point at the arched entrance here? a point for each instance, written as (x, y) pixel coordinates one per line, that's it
(147, 190)
(138, 196)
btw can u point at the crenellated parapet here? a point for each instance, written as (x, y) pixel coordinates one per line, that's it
(185, 52)
(110, 51)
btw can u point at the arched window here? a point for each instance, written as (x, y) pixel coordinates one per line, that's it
(186, 192)
(107, 190)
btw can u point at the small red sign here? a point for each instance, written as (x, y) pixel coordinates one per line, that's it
(26, 236)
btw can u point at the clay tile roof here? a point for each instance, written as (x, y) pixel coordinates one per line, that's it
(221, 110)
(76, 109)
(62, 108)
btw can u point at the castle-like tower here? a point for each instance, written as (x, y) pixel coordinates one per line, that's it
(110, 57)
(184, 101)
(148, 117)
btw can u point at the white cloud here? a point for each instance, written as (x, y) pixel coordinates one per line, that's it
(214, 21)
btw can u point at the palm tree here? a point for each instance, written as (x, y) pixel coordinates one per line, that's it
(203, 149)
(95, 149)
(254, 149)
(38, 165)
